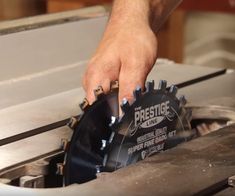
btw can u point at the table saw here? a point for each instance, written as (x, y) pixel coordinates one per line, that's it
(42, 60)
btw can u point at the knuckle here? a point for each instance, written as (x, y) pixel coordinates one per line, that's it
(100, 72)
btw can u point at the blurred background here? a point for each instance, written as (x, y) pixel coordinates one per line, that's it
(199, 32)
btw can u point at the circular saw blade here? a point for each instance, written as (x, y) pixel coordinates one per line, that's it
(104, 142)
(151, 124)
(84, 156)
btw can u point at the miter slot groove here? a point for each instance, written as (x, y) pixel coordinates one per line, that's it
(200, 79)
(33, 132)
(213, 189)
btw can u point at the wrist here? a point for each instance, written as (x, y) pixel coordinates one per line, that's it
(130, 13)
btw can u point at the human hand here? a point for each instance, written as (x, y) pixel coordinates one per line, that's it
(126, 53)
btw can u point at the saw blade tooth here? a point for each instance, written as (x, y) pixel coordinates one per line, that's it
(84, 104)
(113, 126)
(114, 85)
(182, 100)
(113, 122)
(125, 105)
(105, 160)
(173, 90)
(189, 114)
(72, 122)
(150, 86)
(60, 169)
(137, 92)
(162, 85)
(64, 144)
(98, 92)
(111, 137)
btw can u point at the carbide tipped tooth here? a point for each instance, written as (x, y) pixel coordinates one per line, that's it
(105, 160)
(137, 92)
(231, 181)
(111, 137)
(72, 122)
(64, 144)
(98, 92)
(125, 105)
(162, 85)
(60, 169)
(84, 104)
(114, 123)
(150, 86)
(183, 101)
(173, 90)
(113, 120)
(114, 85)
(188, 114)
(99, 168)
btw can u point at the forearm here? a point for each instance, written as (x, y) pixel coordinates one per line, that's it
(142, 12)
(160, 10)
